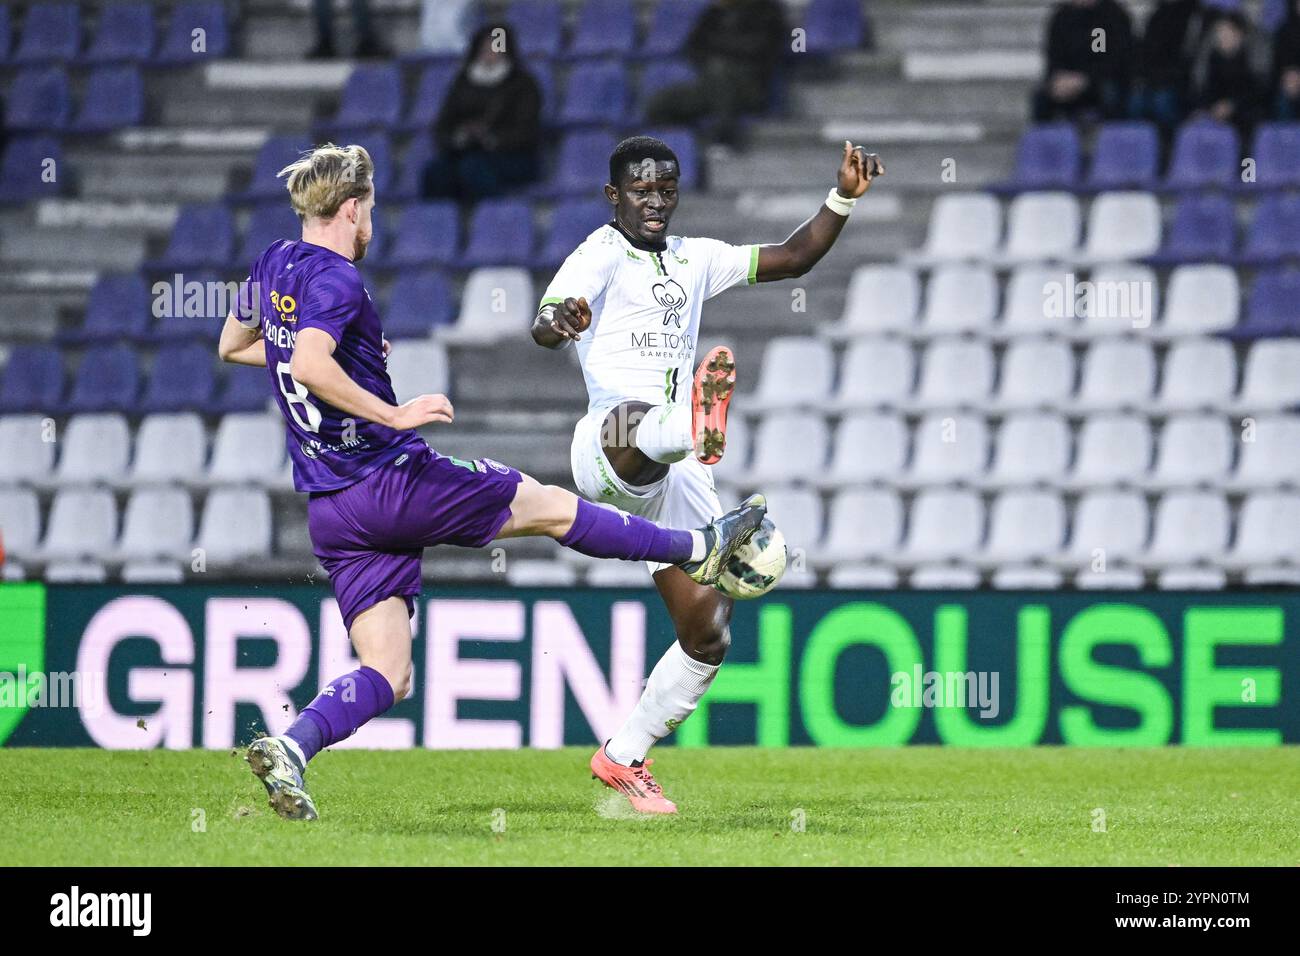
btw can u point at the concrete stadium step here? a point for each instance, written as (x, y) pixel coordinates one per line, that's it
(273, 108)
(95, 249)
(950, 26)
(998, 103)
(131, 176)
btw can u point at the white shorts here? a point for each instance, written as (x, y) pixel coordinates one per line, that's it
(684, 498)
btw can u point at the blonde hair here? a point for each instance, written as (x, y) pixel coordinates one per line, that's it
(326, 177)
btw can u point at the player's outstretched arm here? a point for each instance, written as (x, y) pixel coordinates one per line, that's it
(313, 366)
(807, 244)
(559, 323)
(240, 345)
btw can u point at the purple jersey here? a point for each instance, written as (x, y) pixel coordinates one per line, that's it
(298, 286)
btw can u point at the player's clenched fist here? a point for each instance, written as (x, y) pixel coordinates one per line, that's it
(423, 410)
(857, 169)
(571, 317)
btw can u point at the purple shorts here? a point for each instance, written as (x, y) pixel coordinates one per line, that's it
(370, 536)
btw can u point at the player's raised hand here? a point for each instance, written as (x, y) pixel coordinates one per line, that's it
(857, 169)
(571, 317)
(423, 410)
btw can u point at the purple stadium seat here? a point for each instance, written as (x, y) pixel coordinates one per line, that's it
(671, 27)
(1204, 230)
(604, 28)
(410, 180)
(660, 75)
(1277, 156)
(1127, 156)
(269, 222)
(428, 233)
(372, 99)
(420, 301)
(1272, 308)
(33, 379)
(195, 319)
(1205, 154)
(243, 388)
(380, 149)
(682, 142)
(538, 26)
(51, 33)
(583, 163)
(107, 381)
(1049, 157)
(596, 95)
(545, 76)
(834, 26)
(114, 100)
(203, 237)
(500, 234)
(184, 378)
(275, 154)
(178, 46)
(426, 104)
(1274, 233)
(118, 308)
(126, 34)
(40, 101)
(23, 169)
(573, 221)
(5, 34)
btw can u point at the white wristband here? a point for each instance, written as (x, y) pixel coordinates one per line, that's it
(838, 204)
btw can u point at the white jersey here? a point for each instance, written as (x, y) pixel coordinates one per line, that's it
(645, 310)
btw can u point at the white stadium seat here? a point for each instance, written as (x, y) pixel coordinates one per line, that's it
(798, 371)
(1024, 525)
(249, 446)
(1110, 525)
(955, 373)
(789, 446)
(418, 368)
(1200, 300)
(862, 524)
(943, 524)
(1192, 450)
(1271, 378)
(875, 372)
(83, 524)
(1268, 531)
(25, 453)
(169, 447)
(1121, 226)
(1117, 373)
(958, 299)
(881, 298)
(869, 446)
(236, 524)
(1124, 298)
(949, 448)
(1111, 449)
(1198, 374)
(1271, 458)
(496, 304)
(1032, 448)
(1030, 304)
(1190, 526)
(1036, 373)
(962, 226)
(158, 523)
(94, 448)
(1042, 227)
(799, 513)
(20, 521)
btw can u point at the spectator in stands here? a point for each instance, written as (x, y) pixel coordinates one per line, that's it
(1227, 89)
(736, 47)
(1089, 61)
(368, 45)
(1165, 55)
(489, 129)
(1285, 85)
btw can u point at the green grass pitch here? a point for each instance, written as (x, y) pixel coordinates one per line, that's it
(912, 806)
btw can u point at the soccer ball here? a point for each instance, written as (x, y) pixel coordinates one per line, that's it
(757, 565)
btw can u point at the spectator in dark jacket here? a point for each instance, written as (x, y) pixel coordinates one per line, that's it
(490, 124)
(1089, 60)
(1165, 56)
(1285, 85)
(1227, 88)
(736, 47)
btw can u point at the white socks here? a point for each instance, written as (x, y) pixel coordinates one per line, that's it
(664, 434)
(674, 689)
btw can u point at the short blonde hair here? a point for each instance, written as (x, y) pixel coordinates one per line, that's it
(326, 177)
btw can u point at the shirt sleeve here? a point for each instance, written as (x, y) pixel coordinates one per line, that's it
(584, 274)
(332, 300)
(248, 310)
(727, 265)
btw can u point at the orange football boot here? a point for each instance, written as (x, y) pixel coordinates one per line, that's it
(635, 783)
(715, 381)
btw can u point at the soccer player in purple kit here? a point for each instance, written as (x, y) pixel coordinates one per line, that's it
(379, 495)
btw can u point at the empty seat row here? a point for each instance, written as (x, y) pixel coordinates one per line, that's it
(125, 33)
(41, 101)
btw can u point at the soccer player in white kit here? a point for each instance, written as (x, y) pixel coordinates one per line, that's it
(630, 296)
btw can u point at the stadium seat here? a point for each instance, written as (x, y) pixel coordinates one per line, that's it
(1025, 303)
(430, 92)
(114, 99)
(1111, 450)
(596, 94)
(26, 448)
(863, 524)
(408, 183)
(538, 26)
(1199, 373)
(168, 448)
(1036, 373)
(107, 381)
(125, 34)
(1274, 233)
(269, 222)
(95, 449)
(572, 221)
(875, 372)
(1200, 300)
(248, 447)
(659, 75)
(959, 298)
(1032, 448)
(273, 155)
(29, 169)
(789, 446)
(77, 571)
(236, 525)
(603, 28)
(869, 446)
(33, 380)
(948, 448)
(152, 572)
(881, 298)
(798, 371)
(20, 521)
(371, 99)
(196, 32)
(1024, 525)
(954, 577)
(1122, 226)
(1268, 531)
(500, 234)
(418, 368)
(419, 302)
(117, 308)
(6, 34)
(1270, 379)
(798, 512)
(39, 101)
(1125, 156)
(535, 573)
(157, 523)
(1124, 298)
(944, 524)
(82, 524)
(1190, 527)
(1205, 154)
(1111, 527)
(582, 163)
(427, 233)
(955, 373)
(1042, 227)
(242, 389)
(1204, 229)
(834, 26)
(1049, 156)
(671, 24)
(202, 238)
(494, 304)
(1272, 307)
(1117, 373)
(1271, 456)
(1193, 450)
(1277, 155)
(51, 33)
(862, 577)
(184, 377)
(962, 226)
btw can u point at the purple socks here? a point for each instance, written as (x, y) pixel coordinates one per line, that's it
(604, 533)
(343, 706)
